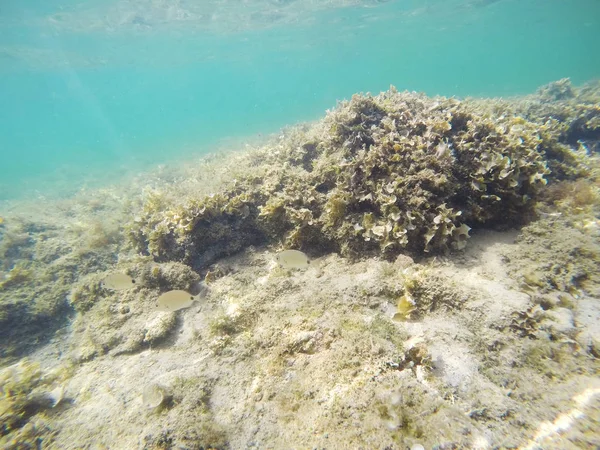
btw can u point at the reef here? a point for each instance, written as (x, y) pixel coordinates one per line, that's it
(400, 324)
(396, 173)
(120, 322)
(29, 398)
(44, 251)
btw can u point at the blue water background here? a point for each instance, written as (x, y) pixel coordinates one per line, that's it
(85, 98)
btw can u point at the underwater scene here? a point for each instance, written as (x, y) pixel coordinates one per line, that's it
(299, 224)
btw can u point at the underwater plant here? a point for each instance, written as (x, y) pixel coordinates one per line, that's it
(382, 175)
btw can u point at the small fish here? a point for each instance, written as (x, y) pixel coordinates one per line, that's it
(118, 282)
(292, 259)
(175, 300)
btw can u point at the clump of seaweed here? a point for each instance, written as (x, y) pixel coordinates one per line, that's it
(526, 323)
(574, 197)
(384, 175)
(425, 292)
(168, 276)
(19, 273)
(15, 246)
(571, 114)
(85, 293)
(416, 356)
(556, 254)
(26, 394)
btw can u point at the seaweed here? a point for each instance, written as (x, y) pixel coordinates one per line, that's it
(384, 175)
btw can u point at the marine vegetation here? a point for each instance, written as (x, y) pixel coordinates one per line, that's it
(28, 396)
(331, 313)
(385, 175)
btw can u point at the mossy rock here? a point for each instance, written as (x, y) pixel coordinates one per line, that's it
(383, 175)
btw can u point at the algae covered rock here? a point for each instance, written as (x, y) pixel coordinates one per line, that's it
(159, 327)
(384, 175)
(27, 396)
(126, 321)
(44, 252)
(555, 255)
(168, 276)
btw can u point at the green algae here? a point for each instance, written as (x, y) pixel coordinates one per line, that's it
(382, 175)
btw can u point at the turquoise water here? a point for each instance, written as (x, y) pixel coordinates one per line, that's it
(90, 91)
